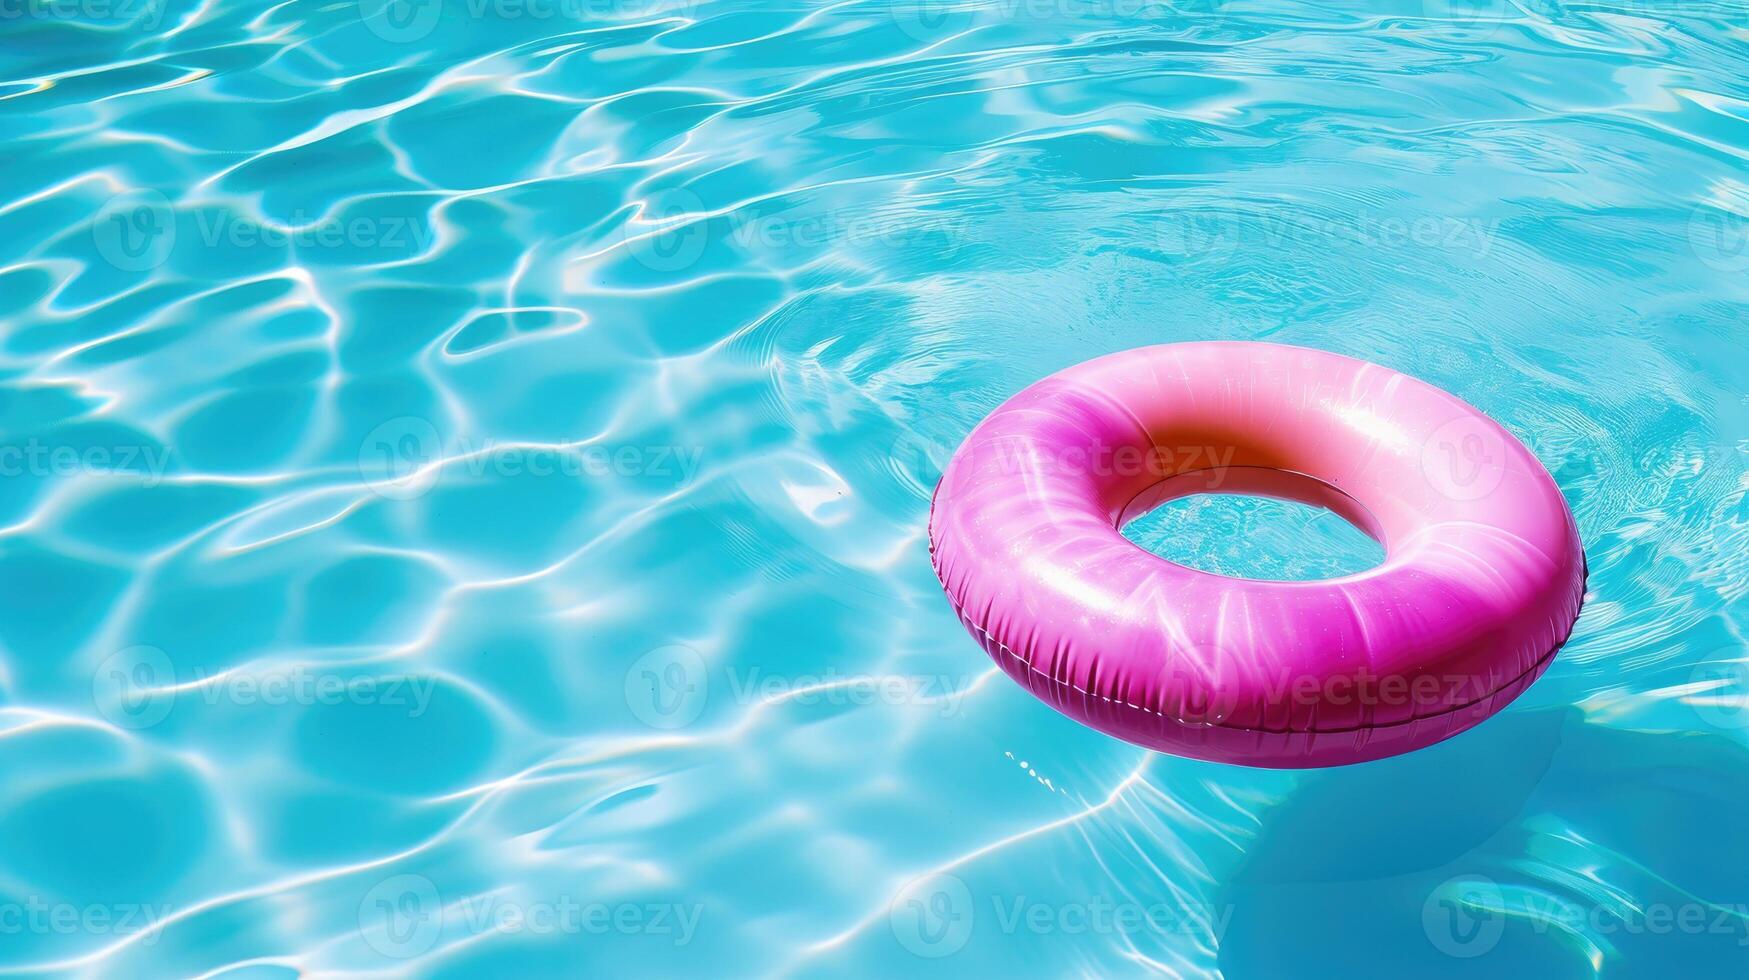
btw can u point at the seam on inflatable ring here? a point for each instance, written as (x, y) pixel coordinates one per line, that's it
(1540, 664)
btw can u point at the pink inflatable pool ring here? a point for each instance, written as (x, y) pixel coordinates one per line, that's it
(1481, 583)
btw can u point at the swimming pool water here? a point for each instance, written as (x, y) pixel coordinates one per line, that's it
(466, 465)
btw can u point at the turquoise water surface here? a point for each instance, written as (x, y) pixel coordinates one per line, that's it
(464, 468)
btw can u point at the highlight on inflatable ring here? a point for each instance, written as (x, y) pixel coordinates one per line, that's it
(1482, 580)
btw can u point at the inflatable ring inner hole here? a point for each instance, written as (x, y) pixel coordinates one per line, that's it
(1256, 481)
